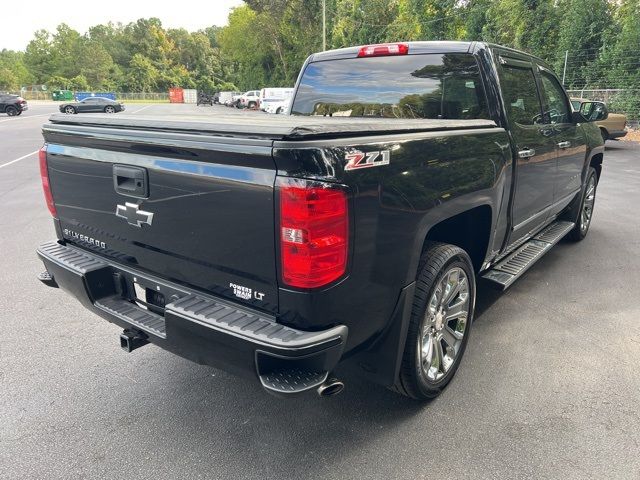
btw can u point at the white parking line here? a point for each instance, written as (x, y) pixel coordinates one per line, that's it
(18, 159)
(143, 108)
(26, 116)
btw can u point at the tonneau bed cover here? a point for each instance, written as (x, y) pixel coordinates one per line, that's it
(272, 127)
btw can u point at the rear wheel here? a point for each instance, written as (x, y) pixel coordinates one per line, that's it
(440, 321)
(19, 112)
(585, 211)
(11, 111)
(69, 110)
(252, 104)
(109, 109)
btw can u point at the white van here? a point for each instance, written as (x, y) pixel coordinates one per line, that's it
(225, 97)
(274, 95)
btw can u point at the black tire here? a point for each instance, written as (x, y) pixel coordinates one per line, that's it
(252, 105)
(581, 229)
(437, 260)
(19, 112)
(604, 133)
(109, 109)
(278, 110)
(11, 111)
(70, 110)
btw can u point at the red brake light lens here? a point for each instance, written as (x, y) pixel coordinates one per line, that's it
(44, 176)
(383, 50)
(314, 232)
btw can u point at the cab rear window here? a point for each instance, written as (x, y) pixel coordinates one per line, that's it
(434, 86)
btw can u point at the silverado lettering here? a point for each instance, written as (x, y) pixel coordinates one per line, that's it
(70, 234)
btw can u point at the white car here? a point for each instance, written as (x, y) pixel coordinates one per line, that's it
(276, 96)
(249, 99)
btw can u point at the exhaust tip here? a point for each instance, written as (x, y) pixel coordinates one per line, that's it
(330, 387)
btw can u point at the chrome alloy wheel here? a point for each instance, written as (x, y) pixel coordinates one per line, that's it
(445, 324)
(587, 204)
(69, 110)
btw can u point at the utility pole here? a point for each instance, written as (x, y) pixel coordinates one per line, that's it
(324, 25)
(564, 71)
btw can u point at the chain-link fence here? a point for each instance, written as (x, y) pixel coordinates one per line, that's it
(618, 100)
(155, 97)
(144, 97)
(35, 95)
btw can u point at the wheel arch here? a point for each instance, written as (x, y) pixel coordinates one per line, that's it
(596, 163)
(469, 230)
(604, 132)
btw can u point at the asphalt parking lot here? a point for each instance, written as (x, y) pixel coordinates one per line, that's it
(549, 386)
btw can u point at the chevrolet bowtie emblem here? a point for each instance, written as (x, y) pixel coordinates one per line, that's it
(131, 213)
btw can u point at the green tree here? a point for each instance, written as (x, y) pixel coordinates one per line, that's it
(13, 71)
(65, 48)
(584, 26)
(363, 21)
(529, 25)
(624, 55)
(38, 57)
(114, 40)
(56, 82)
(244, 50)
(79, 82)
(8, 80)
(95, 63)
(142, 74)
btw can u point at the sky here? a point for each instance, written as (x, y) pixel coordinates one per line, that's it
(16, 33)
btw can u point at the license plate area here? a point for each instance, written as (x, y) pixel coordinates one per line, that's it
(145, 292)
(148, 295)
(140, 295)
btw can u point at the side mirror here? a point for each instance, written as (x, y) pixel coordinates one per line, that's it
(593, 111)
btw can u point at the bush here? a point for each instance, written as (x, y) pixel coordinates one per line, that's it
(627, 102)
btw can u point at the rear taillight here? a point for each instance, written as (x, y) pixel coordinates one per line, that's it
(314, 232)
(46, 186)
(383, 50)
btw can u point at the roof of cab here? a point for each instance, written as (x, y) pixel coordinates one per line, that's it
(414, 47)
(421, 48)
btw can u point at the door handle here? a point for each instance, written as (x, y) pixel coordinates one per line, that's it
(564, 144)
(526, 153)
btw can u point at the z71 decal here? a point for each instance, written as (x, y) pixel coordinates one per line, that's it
(357, 159)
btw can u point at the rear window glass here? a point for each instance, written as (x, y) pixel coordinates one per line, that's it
(436, 86)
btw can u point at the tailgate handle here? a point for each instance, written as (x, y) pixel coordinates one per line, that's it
(131, 181)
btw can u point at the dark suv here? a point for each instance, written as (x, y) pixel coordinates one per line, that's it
(12, 104)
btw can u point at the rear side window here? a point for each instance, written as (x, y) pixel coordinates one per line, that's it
(436, 86)
(520, 95)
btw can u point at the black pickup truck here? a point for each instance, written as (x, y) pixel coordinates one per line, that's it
(352, 230)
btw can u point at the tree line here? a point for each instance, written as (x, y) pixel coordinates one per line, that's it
(266, 41)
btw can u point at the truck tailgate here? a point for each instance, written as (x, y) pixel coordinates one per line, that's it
(197, 210)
